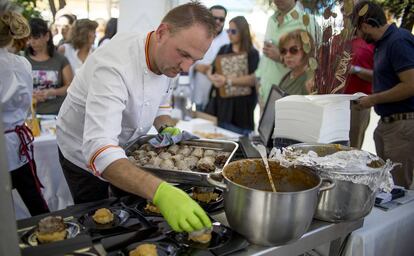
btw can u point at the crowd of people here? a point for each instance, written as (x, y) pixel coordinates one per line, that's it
(110, 99)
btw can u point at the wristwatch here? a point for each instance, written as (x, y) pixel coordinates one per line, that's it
(356, 69)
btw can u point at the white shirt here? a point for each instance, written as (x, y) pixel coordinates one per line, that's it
(112, 100)
(72, 55)
(200, 84)
(16, 88)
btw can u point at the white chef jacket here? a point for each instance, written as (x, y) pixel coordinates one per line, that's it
(112, 100)
(200, 84)
(16, 88)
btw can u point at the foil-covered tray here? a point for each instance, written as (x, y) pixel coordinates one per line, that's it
(194, 177)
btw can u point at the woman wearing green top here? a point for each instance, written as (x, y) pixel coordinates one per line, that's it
(296, 59)
(51, 71)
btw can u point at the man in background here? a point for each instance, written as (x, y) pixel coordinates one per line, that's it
(200, 84)
(393, 81)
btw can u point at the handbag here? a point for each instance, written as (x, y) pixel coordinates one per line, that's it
(235, 65)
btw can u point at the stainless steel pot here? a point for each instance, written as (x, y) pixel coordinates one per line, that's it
(347, 201)
(262, 216)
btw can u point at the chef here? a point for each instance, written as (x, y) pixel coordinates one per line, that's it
(120, 92)
(16, 87)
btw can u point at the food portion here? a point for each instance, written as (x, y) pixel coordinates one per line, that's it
(205, 197)
(200, 236)
(209, 135)
(179, 157)
(51, 229)
(144, 250)
(103, 216)
(150, 207)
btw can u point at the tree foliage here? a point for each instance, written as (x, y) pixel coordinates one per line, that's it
(28, 8)
(403, 9)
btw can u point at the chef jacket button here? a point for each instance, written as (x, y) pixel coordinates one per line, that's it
(146, 71)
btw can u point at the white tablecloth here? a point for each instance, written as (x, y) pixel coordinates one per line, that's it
(388, 233)
(56, 191)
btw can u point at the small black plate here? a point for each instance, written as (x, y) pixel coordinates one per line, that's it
(30, 237)
(212, 206)
(140, 207)
(220, 235)
(120, 217)
(163, 248)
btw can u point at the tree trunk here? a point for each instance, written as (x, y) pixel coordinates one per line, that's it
(52, 8)
(407, 20)
(62, 4)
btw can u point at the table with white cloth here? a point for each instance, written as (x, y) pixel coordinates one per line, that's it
(385, 233)
(56, 191)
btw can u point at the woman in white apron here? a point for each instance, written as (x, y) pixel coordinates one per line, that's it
(16, 87)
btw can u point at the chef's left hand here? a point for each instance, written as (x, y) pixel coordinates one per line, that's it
(173, 131)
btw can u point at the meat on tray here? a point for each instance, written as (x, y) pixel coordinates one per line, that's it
(179, 157)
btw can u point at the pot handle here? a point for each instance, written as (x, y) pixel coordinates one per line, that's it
(215, 179)
(331, 184)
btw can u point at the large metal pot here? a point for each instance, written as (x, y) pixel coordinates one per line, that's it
(262, 216)
(347, 201)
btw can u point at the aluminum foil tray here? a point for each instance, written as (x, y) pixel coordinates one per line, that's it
(194, 177)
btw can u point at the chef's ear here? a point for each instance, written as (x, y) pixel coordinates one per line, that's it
(162, 31)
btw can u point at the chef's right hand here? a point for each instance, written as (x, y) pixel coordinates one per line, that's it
(180, 211)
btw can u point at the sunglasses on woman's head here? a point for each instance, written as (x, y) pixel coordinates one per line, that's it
(232, 31)
(293, 50)
(221, 19)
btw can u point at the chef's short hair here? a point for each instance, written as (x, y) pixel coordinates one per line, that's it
(186, 15)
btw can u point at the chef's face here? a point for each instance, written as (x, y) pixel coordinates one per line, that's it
(177, 51)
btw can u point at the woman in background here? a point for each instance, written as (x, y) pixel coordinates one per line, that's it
(294, 57)
(63, 27)
(15, 98)
(51, 71)
(236, 113)
(80, 43)
(110, 31)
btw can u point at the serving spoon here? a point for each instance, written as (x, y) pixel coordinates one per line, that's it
(263, 154)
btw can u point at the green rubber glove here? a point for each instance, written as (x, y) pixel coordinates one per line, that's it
(173, 131)
(180, 211)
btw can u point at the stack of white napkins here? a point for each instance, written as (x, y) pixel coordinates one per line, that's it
(314, 118)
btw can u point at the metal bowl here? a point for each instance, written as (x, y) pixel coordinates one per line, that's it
(265, 217)
(347, 201)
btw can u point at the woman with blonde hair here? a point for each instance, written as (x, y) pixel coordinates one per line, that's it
(295, 55)
(15, 97)
(80, 44)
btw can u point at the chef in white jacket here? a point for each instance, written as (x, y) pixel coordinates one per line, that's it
(16, 87)
(120, 92)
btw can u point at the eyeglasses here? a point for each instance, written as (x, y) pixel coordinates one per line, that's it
(232, 31)
(221, 19)
(292, 50)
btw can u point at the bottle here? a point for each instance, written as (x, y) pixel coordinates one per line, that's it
(182, 96)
